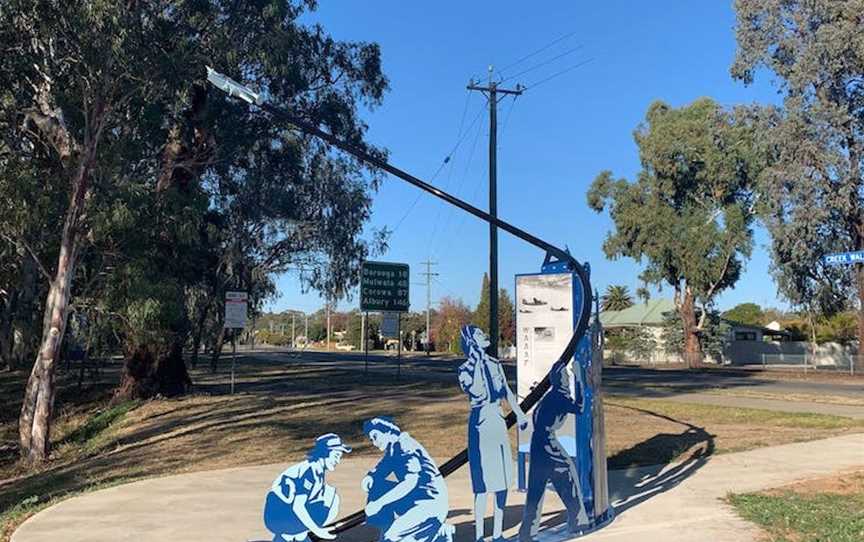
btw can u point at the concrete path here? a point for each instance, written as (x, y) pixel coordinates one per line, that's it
(674, 503)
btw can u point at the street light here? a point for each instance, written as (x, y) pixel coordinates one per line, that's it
(232, 87)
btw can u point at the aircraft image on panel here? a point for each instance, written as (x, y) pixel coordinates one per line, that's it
(525, 311)
(534, 302)
(562, 309)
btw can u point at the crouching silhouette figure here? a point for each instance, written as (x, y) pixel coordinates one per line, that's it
(413, 505)
(550, 462)
(300, 502)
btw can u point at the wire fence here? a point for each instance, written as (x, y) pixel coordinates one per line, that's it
(838, 362)
(835, 362)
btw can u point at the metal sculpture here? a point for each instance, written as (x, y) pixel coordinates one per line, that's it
(482, 378)
(413, 506)
(583, 311)
(550, 462)
(300, 501)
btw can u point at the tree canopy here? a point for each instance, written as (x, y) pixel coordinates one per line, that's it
(746, 313)
(616, 298)
(813, 188)
(167, 191)
(688, 215)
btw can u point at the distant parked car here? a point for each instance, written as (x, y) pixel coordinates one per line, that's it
(345, 347)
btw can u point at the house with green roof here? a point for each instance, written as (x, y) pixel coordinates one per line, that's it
(746, 343)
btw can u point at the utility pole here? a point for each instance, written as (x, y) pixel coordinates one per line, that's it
(293, 316)
(306, 328)
(429, 274)
(491, 92)
(328, 324)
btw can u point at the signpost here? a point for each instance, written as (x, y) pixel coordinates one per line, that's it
(236, 309)
(844, 258)
(384, 287)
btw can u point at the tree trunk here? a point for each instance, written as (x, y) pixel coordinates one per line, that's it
(147, 374)
(198, 332)
(692, 347)
(34, 423)
(217, 349)
(859, 275)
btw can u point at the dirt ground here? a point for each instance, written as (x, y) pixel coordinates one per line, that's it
(845, 483)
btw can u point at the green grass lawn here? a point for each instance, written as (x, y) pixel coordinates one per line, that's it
(808, 514)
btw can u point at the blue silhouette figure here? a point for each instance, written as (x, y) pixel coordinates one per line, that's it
(550, 462)
(482, 378)
(407, 497)
(300, 502)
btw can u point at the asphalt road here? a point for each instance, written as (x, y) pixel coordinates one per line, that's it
(618, 380)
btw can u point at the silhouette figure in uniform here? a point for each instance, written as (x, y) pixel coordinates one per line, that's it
(407, 497)
(550, 462)
(482, 378)
(300, 502)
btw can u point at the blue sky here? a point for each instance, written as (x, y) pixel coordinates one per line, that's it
(553, 140)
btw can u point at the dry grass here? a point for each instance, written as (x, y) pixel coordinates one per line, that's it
(795, 397)
(280, 407)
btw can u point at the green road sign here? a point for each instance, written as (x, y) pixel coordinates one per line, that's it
(384, 287)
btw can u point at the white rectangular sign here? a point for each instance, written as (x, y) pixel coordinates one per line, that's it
(390, 325)
(236, 306)
(544, 326)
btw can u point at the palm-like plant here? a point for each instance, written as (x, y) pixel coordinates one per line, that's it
(616, 298)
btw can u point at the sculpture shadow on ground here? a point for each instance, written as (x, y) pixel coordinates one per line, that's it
(632, 480)
(678, 456)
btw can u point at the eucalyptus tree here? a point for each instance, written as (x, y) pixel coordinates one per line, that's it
(813, 189)
(111, 96)
(688, 215)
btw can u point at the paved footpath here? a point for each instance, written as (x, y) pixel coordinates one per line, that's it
(676, 503)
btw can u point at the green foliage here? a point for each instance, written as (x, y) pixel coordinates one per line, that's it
(506, 319)
(714, 337)
(506, 323)
(100, 422)
(452, 315)
(838, 328)
(480, 317)
(637, 342)
(688, 216)
(616, 298)
(811, 193)
(746, 313)
(192, 193)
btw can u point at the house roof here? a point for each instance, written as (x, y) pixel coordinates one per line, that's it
(648, 313)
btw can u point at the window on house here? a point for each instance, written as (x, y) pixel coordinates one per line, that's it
(745, 335)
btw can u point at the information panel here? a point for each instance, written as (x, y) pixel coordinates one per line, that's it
(236, 304)
(384, 287)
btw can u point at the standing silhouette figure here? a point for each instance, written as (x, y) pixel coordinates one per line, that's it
(482, 378)
(550, 462)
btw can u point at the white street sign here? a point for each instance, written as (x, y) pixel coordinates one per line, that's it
(236, 306)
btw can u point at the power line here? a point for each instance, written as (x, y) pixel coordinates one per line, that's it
(537, 52)
(562, 72)
(460, 137)
(459, 185)
(507, 117)
(545, 63)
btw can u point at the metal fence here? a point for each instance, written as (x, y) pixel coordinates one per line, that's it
(846, 363)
